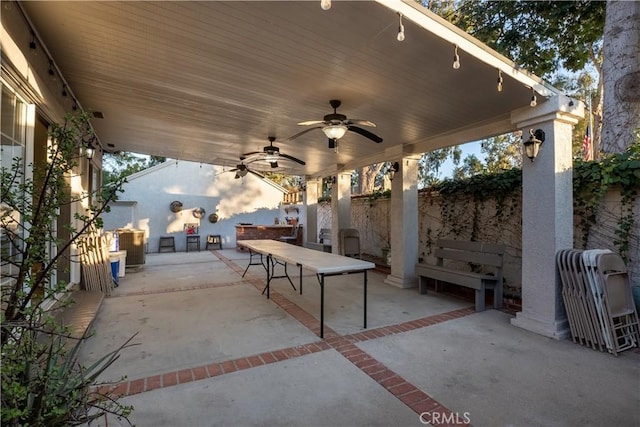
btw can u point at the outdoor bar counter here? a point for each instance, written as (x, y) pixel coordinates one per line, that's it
(260, 232)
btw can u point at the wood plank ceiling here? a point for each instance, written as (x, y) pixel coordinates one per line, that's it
(208, 81)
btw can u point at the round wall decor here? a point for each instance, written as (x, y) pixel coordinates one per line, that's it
(213, 218)
(175, 206)
(198, 213)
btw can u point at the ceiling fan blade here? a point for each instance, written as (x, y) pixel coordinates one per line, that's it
(303, 132)
(286, 156)
(249, 154)
(311, 122)
(360, 122)
(365, 133)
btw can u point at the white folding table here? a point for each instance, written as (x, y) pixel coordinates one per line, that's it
(322, 263)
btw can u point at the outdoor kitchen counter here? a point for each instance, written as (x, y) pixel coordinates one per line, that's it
(260, 232)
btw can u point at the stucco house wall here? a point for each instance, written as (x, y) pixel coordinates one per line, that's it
(145, 202)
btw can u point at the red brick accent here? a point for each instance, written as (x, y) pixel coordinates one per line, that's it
(255, 361)
(214, 369)
(153, 382)
(185, 376)
(200, 373)
(169, 379)
(228, 366)
(136, 386)
(242, 363)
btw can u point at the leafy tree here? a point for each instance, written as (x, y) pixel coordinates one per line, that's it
(431, 162)
(543, 36)
(119, 164)
(42, 382)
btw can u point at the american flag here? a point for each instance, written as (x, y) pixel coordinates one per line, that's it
(586, 145)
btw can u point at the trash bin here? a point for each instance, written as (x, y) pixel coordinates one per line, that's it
(122, 255)
(114, 258)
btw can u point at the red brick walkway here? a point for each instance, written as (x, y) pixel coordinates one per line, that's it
(418, 400)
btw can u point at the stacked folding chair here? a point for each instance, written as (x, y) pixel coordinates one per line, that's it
(597, 296)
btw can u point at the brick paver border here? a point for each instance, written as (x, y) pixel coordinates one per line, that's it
(420, 402)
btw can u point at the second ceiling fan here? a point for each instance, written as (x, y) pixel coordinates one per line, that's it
(335, 125)
(270, 154)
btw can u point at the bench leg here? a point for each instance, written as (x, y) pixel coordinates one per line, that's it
(480, 299)
(497, 295)
(422, 284)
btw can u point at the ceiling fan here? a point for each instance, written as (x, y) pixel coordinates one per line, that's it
(242, 170)
(270, 154)
(335, 125)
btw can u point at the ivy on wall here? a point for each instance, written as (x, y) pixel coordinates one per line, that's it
(592, 180)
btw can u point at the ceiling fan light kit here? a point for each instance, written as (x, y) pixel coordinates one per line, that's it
(336, 125)
(335, 131)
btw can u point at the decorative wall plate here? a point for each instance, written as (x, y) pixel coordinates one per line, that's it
(175, 206)
(198, 213)
(213, 218)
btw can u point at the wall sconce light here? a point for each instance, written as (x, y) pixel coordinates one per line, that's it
(325, 4)
(500, 80)
(456, 58)
(90, 150)
(532, 145)
(400, 36)
(330, 182)
(395, 167)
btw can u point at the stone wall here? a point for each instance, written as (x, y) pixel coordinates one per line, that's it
(492, 224)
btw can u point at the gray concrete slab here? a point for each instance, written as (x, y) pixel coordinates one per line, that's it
(477, 365)
(501, 375)
(344, 299)
(307, 391)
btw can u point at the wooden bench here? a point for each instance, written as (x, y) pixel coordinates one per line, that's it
(324, 241)
(482, 256)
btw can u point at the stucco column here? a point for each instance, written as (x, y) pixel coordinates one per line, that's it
(340, 208)
(547, 219)
(404, 225)
(310, 225)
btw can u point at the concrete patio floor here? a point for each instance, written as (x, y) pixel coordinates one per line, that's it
(213, 351)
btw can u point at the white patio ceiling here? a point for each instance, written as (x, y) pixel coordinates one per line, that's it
(208, 81)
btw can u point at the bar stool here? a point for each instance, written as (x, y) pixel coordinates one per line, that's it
(193, 240)
(214, 240)
(167, 244)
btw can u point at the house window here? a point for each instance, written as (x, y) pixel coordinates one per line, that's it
(12, 155)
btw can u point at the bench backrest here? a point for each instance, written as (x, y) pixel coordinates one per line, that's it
(474, 252)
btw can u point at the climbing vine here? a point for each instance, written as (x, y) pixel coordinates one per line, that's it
(592, 180)
(502, 188)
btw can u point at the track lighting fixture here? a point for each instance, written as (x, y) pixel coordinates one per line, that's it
(456, 58)
(32, 43)
(74, 107)
(325, 4)
(400, 36)
(64, 90)
(52, 72)
(500, 80)
(534, 99)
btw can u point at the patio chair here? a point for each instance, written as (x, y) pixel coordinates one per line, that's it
(293, 238)
(349, 242)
